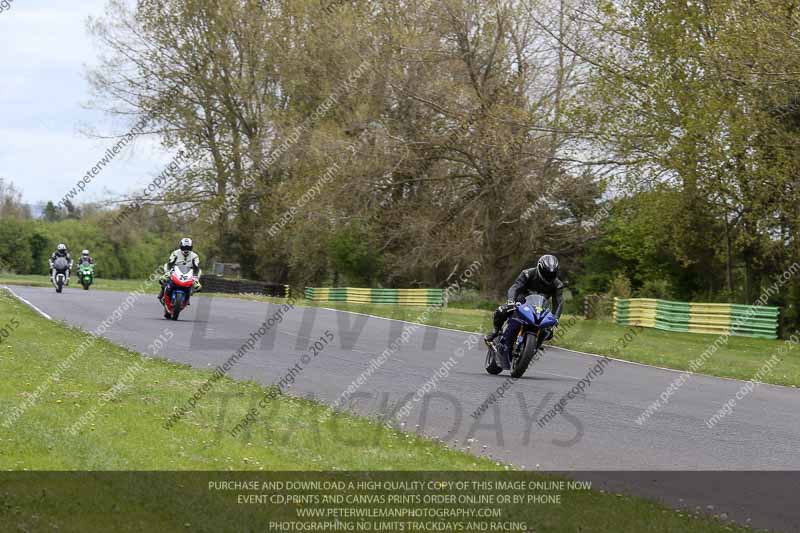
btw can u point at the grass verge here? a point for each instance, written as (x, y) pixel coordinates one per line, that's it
(126, 432)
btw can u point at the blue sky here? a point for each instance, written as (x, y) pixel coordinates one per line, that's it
(44, 51)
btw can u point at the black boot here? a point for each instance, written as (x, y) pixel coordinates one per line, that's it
(490, 337)
(503, 354)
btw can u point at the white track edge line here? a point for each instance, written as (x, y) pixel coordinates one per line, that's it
(26, 302)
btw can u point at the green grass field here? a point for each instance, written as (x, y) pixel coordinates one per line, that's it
(126, 432)
(741, 358)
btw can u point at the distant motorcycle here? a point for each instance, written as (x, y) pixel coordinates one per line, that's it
(536, 321)
(60, 267)
(86, 275)
(177, 291)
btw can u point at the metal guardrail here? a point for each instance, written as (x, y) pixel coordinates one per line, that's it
(376, 296)
(734, 319)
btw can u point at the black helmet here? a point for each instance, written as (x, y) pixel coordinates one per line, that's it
(547, 268)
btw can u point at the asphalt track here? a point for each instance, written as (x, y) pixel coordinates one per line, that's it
(598, 437)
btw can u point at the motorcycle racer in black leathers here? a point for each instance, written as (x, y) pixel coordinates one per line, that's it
(61, 251)
(85, 258)
(542, 279)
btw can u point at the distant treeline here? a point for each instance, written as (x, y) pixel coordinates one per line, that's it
(129, 250)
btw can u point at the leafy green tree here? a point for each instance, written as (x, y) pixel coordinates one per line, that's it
(15, 251)
(72, 211)
(354, 256)
(40, 252)
(51, 213)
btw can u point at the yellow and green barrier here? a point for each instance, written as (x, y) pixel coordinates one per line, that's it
(733, 319)
(376, 296)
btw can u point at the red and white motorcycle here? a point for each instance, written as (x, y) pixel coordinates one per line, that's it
(177, 291)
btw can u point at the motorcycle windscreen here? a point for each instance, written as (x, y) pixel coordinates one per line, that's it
(539, 306)
(528, 309)
(60, 264)
(184, 275)
(537, 300)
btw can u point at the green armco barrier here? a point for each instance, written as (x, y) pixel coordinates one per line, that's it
(733, 319)
(376, 296)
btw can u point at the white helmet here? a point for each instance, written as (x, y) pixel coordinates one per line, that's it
(186, 245)
(85, 252)
(61, 247)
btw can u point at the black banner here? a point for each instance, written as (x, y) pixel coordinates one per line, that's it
(386, 501)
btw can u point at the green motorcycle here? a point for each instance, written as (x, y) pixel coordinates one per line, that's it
(86, 275)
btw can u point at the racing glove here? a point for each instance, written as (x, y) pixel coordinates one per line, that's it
(505, 308)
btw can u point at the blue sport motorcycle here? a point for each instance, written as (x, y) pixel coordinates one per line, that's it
(534, 321)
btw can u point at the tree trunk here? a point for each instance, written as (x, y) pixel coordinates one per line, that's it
(728, 258)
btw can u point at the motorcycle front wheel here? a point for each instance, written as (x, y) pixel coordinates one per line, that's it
(177, 305)
(520, 364)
